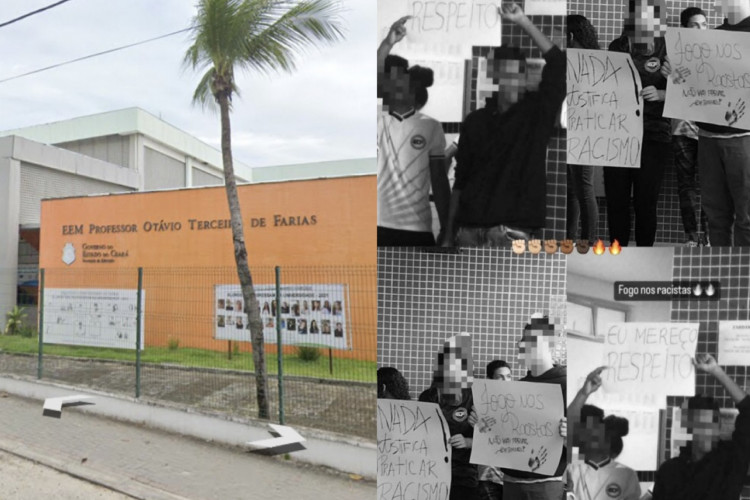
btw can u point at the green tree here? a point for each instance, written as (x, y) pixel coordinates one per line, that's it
(257, 35)
(14, 320)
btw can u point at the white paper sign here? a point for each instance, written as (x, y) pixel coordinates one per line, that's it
(734, 343)
(605, 109)
(314, 315)
(414, 453)
(95, 317)
(710, 80)
(653, 358)
(545, 7)
(440, 36)
(518, 425)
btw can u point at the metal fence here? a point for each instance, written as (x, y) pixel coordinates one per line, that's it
(195, 340)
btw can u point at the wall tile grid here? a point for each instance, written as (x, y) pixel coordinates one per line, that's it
(731, 266)
(424, 298)
(607, 16)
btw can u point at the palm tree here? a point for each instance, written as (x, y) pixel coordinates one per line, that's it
(257, 35)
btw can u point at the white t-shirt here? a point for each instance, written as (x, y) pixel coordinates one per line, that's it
(406, 143)
(609, 480)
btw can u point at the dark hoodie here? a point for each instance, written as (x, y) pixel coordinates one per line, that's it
(556, 375)
(743, 25)
(717, 476)
(463, 473)
(501, 159)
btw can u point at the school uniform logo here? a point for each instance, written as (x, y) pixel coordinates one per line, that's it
(460, 414)
(652, 65)
(418, 142)
(613, 490)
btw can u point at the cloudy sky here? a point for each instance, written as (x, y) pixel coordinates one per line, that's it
(323, 111)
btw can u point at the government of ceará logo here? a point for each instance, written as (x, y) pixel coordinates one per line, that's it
(69, 254)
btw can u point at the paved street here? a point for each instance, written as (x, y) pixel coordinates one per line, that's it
(152, 464)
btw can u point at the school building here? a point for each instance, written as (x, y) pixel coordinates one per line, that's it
(118, 178)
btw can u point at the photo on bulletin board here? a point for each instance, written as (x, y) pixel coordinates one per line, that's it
(314, 315)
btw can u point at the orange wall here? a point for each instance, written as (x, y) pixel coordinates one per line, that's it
(167, 232)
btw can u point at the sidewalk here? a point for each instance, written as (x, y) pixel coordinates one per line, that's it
(147, 462)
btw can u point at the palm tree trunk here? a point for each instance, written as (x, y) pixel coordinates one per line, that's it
(252, 307)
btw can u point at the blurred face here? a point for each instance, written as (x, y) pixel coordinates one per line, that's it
(510, 75)
(535, 351)
(698, 21)
(592, 438)
(704, 427)
(454, 367)
(395, 88)
(502, 373)
(646, 20)
(735, 10)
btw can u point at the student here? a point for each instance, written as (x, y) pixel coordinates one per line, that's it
(410, 151)
(685, 148)
(391, 384)
(724, 159)
(643, 39)
(451, 389)
(491, 478)
(581, 194)
(706, 467)
(500, 189)
(597, 476)
(536, 346)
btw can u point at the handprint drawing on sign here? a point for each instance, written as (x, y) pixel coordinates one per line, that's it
(486, 424)
(734, 114)
(680, 75)
(536, 461)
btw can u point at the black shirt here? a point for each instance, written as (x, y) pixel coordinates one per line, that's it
(501, 159)
(717, 476)
(463, 473)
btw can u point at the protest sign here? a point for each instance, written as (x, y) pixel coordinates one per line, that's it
(734, 343)
(710, 76)
(605, 109)
(414, 453)
(650, 357)
(545, 7)
(440, 36)
(518, 425)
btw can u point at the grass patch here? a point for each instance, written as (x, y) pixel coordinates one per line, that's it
(343, 369)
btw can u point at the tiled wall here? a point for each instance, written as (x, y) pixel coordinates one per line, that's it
(424, 298)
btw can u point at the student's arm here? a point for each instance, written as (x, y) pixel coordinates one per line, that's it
(591, 385)
(632, 488)
(441, 190)
(706, 363)
(395, 35)
(514, 13)
(449, 235)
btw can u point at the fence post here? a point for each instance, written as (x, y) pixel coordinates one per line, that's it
(39, 365)
(279, 349)
(138, 314)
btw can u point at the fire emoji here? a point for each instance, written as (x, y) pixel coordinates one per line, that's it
(599, 247)
(615, 248)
